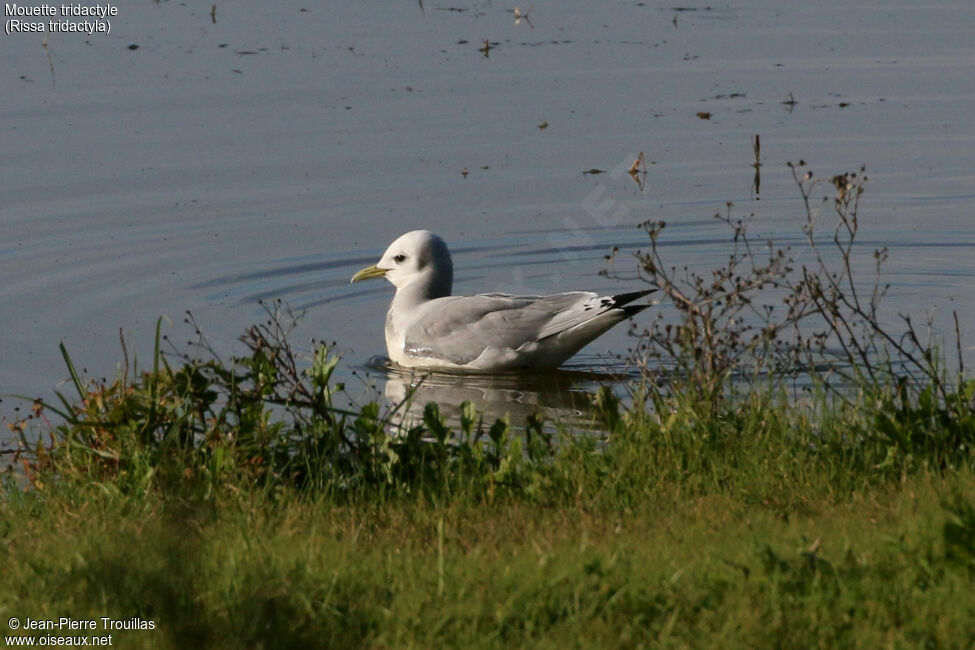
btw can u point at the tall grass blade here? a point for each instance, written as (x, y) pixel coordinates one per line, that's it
(153, 381)
(71, 369)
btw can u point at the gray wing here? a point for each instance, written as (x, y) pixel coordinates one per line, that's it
(459, 328)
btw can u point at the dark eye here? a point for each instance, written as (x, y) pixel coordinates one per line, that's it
(399, 259)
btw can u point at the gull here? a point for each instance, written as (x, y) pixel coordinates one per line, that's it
(426, 327)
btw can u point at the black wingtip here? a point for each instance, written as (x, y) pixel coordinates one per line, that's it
(627, 298)
(633, 310)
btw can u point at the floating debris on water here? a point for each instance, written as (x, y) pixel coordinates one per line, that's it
(519, 16)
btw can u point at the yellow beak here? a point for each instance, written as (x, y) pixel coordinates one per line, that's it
(369, 272)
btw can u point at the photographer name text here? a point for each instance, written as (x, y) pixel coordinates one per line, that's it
(93, 624)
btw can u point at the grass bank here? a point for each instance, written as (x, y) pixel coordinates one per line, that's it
(763, 524)
(881, 568)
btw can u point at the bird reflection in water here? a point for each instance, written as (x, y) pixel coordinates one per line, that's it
(561, 396)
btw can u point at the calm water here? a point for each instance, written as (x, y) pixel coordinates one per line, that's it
(269, 152)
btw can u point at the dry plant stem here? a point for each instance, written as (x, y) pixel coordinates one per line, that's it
(827, 325)
(835, 297)
(961, 360)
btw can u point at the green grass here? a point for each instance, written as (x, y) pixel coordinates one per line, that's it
(877, 568)
(233, 505)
